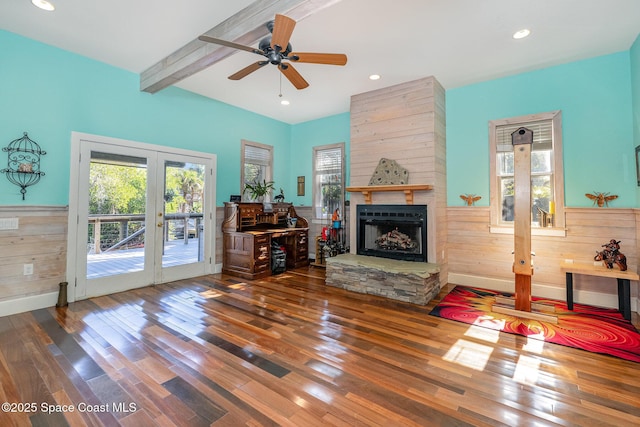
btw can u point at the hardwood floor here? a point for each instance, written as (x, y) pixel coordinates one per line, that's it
(221, 351)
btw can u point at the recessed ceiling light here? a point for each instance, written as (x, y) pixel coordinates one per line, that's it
(284, 102)
(374, 77)
(521, 33)
(44, 5)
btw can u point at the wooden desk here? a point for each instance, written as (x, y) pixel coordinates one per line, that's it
(623, 277)
(247, 234)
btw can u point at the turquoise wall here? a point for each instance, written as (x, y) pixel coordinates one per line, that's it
(305, 136)
(595, 98)
(635, 95)
(49, 93)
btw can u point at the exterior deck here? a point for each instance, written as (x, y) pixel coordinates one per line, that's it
(176, 252)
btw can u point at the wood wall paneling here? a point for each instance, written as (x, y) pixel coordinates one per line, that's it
(475, 252)
(41, 240)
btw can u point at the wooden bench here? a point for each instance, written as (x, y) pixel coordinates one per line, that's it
(623, 277)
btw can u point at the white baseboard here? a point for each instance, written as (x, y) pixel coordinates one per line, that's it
(544, 291)
(34, 302)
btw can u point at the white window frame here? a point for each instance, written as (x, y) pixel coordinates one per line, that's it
(497, 225)
(316, 196)
(269, 164)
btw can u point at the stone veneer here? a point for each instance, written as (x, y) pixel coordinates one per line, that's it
(407, 281)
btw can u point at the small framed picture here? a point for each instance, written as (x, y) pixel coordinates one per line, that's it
(638, 164)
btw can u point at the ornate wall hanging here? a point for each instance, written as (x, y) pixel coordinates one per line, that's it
(23, 164)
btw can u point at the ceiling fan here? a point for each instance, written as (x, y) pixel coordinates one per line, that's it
(277, 49)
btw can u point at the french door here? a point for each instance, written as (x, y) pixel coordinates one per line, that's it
(144, 215)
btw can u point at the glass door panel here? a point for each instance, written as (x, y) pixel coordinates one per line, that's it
(184, 187)
(185, 213)
(116, 228)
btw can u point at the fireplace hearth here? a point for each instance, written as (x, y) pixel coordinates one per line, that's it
(392, 231)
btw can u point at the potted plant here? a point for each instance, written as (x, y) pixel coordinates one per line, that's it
(258, 190)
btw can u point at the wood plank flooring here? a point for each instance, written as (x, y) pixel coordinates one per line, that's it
(217, 350)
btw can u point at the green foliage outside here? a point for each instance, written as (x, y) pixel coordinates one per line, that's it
(115, 189)
(184, 189)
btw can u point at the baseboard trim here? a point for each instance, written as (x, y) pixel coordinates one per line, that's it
(29, 303)
(36, 302)
(544, 291)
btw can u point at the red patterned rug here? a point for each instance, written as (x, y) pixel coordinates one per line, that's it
(599, 330)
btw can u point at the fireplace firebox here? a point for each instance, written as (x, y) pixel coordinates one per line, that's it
(392, 231)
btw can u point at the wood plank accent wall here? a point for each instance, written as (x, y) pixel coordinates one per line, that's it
(478, 257)
(405, 123)
(41, 240)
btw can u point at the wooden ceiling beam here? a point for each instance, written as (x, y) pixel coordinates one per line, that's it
(245, 27)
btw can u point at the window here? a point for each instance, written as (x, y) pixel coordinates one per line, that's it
(328, 180)
(547, 184)
(256, 163)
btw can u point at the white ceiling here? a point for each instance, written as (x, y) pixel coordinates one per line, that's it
(458, 41)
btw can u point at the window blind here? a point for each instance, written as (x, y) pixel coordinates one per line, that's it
(329, 161)
(257, 155)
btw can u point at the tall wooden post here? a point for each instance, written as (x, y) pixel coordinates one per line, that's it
(96, 236)
(522, 139)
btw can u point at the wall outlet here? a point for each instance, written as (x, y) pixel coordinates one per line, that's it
(28, 269)
(8, 223)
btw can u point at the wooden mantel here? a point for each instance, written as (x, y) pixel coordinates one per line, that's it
(408, 190)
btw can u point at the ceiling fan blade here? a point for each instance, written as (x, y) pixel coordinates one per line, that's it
(209, 39)
(282, 29)
(248, 70)
(319, 58)
(293, 75)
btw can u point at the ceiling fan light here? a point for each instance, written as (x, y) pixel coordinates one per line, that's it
(520, 34)
(44, 5)
(374, 77)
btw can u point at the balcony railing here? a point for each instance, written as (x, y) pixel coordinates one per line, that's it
(130, 230)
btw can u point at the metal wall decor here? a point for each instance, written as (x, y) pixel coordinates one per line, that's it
(23, 164)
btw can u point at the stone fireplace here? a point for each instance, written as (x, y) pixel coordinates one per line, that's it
(392, 231)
